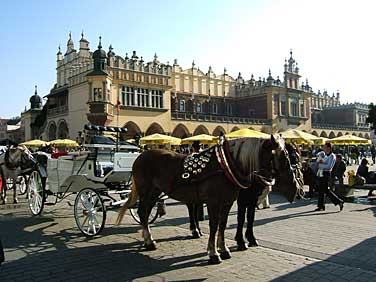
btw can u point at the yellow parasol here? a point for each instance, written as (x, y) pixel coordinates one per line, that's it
(63, 143)
(35, 143)
(246, 132)
(300, 137)
(202, 138)
(160, 139)
(350, 140)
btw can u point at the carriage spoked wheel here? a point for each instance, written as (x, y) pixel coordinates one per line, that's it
(89, 212)
(152, 217)
(35, 193)
(22, 184)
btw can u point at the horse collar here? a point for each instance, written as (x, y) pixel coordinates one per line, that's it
(226, 164)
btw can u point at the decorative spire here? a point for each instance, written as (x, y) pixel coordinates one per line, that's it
(36, 90)
(100, 42)
(193, 64)
(70, 35)
(225, 71)
(175, 62)
(126, 56)
(59, 51)
(210, 69)
(82, 34)
(141, 60)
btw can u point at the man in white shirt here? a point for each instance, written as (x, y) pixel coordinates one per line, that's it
(326, 165)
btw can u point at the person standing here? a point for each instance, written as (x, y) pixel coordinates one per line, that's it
(326, 165)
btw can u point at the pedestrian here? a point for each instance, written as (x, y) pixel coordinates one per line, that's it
(326, 165)
(373, 154)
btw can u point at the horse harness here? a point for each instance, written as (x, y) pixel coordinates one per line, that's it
(199, 166)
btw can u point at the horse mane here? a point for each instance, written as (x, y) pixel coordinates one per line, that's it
(246, 151)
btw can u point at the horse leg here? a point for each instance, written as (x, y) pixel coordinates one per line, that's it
(239, 231)
(15, 200)
(213, 211)
(252, 242)
(144, 210)
(221, 244)
(193, 220)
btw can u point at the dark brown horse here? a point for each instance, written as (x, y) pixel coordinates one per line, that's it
(214, 176)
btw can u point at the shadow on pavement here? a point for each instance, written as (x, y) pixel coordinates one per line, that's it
(110, 262)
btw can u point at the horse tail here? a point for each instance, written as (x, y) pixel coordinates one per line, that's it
(129, 203)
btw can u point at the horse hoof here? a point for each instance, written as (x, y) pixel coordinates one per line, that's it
(199, 232)
(225, 255)
(195, 234)
(252, 243)
(15, 201)
(214, 260)
(150, 247)
(242, 247)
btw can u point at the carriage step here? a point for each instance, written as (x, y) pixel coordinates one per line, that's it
(49, 204)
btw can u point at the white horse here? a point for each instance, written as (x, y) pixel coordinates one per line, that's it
(12, 163)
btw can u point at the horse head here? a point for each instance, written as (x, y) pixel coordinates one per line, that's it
(19, 156)
(287, 168)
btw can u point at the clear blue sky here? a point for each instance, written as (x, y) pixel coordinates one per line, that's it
(331, 40)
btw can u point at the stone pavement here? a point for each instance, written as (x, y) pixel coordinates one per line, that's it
(296, 244)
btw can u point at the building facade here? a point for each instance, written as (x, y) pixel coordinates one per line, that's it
(104, 88)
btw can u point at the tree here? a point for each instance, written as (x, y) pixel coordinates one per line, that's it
(372, 116)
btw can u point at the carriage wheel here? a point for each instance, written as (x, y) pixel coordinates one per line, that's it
(152, 217)
(89, 212)
(35, 193)
(22, 184)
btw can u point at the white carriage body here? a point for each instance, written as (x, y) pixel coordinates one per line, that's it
(73, 173)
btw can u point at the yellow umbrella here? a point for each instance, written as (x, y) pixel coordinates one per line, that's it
(246, 132)
(300, 137)
(64, 143)
(350, 140)
(34, 143)
(202, 138)
(160, 139)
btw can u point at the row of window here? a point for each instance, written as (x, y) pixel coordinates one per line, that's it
(199, 108)
(141, 97)
(280, 107)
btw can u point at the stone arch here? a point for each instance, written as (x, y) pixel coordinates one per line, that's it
(62, 129)
(315, 133)
(305, 130)
(52, 129)
(323, 134)
(132, 130)
(331, 135)
(347, 133)
(235, 128)
(251, 128)
(354, 134)
(201, 130)
(339, 134)
(154, 128)
(366, 135)
(180, 131)
(360, 135)
(217, 131)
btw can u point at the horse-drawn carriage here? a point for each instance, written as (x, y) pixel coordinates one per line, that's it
(99, 176)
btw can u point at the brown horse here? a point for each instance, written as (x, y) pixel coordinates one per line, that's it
(214, 176)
